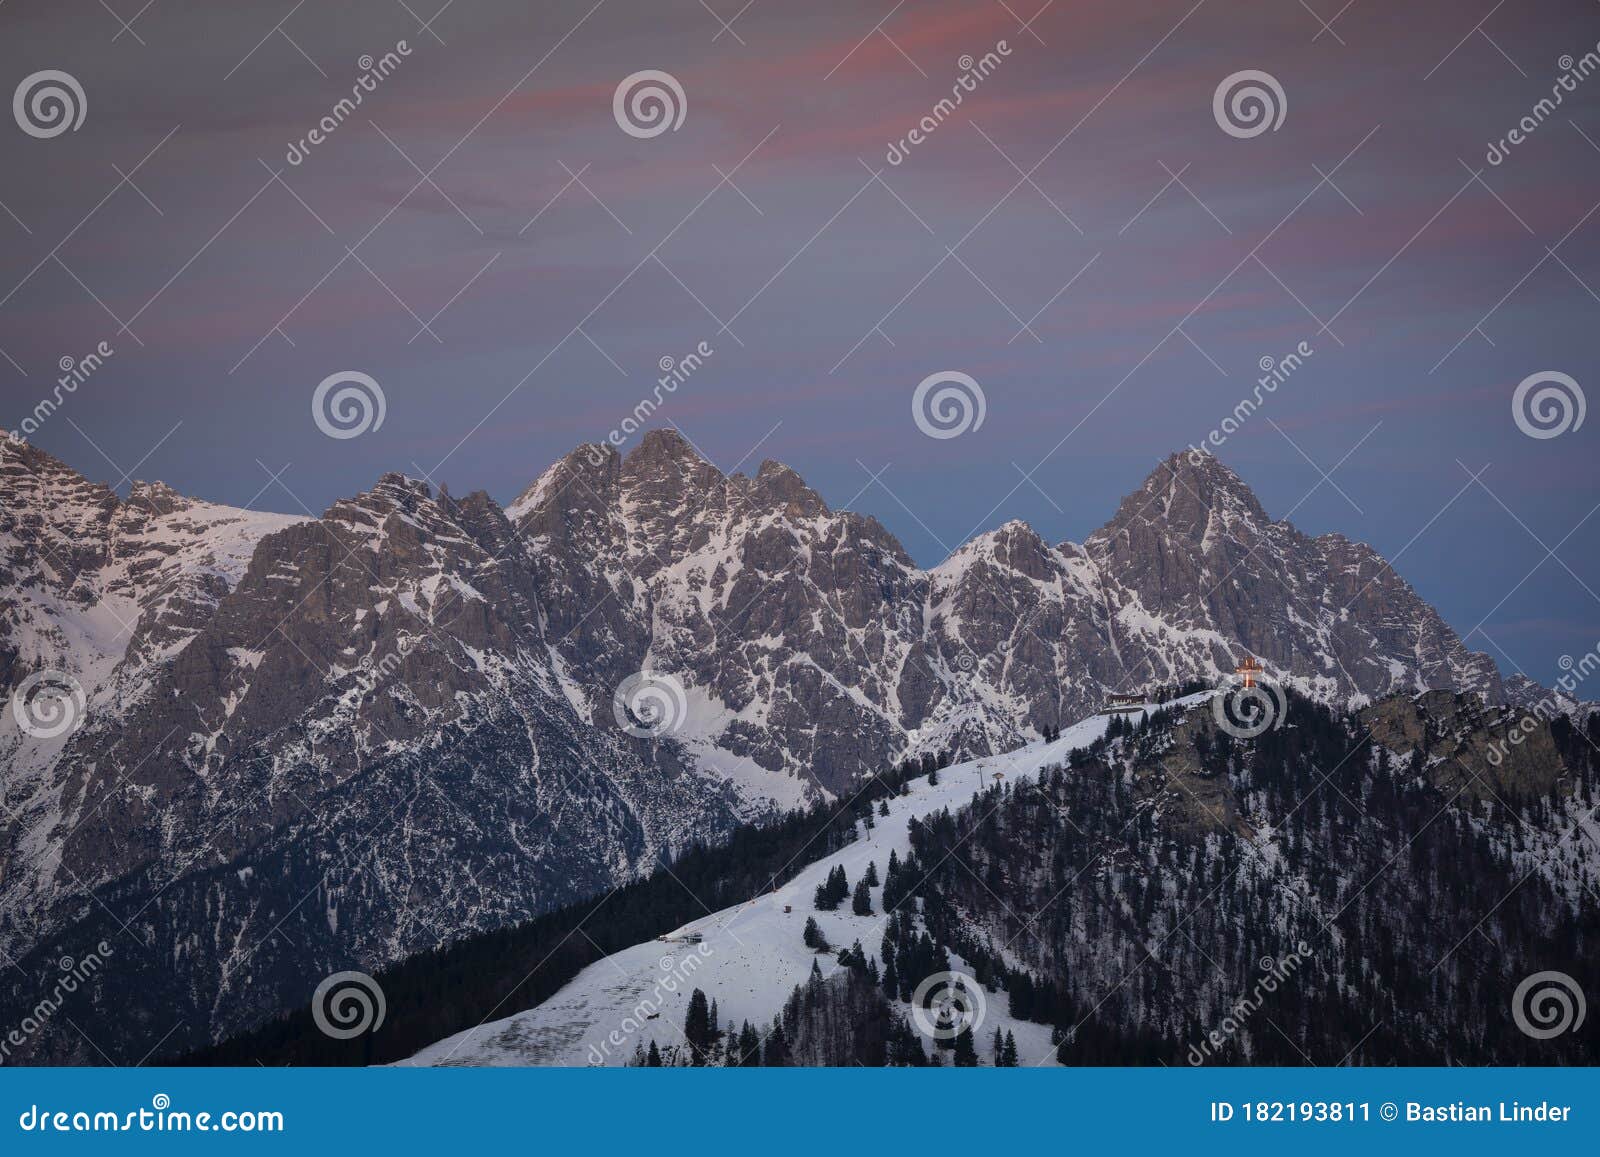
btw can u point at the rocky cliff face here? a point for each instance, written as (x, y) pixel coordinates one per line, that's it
(1197, 573)
(98, 595)
(310, 744)
(364, 751)
(107, 589)
(812, 646)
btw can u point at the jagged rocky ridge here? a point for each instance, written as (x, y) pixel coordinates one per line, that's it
(363, 753)
(812, 645)
(337, 741)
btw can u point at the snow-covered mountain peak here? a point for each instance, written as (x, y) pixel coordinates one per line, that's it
(664, 461)
(776, 486)
(1194, 496)
(1013, 546)
(395, 490)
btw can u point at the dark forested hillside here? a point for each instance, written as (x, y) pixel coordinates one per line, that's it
(1311, 896)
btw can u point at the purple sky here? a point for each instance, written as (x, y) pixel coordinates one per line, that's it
(557, 259)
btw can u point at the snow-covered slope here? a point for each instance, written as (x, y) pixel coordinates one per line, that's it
(750, 957)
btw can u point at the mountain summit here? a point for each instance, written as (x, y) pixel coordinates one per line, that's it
(308, 742)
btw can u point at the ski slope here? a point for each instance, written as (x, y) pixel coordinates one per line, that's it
(751, 956)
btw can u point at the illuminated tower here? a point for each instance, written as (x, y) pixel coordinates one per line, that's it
(1248, 670)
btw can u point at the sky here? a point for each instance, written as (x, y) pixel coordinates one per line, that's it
(1106, 255)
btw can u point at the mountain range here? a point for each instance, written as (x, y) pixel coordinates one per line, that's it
(310, 744)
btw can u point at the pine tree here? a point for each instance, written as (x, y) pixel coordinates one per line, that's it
(933, 777)
(904, 1046)
(749, 1050)
(697, 1028)
(998, 1048)
(653, 1060)
(966, 1056)
(861, 900)
(1008, 1055)
(872, 873)
(775, 1054)
(883, 807)
(832, 890)
(813, 937)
